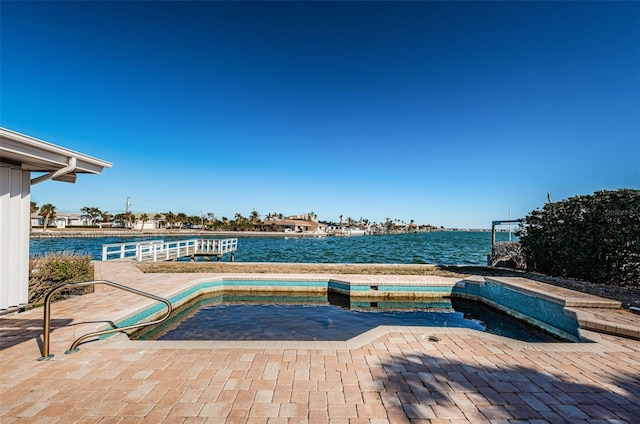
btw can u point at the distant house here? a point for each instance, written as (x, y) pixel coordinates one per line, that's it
(295, 225)
(334, 229)
(159, 223)
(147, 225)
(427, 228)
(151, 224)
(62, 220)
(413, 228)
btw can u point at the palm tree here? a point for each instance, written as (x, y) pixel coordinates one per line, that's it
(47, 211)
(106, 216)
(33, 209)
(93, 213)
(157, 217)
(181, 217)
(171, 218)
(195, 220)
(255, 217)
(131, 219)
(238, 221)
(212, 221)
(119, 218)
(388, 225)
(144, 218)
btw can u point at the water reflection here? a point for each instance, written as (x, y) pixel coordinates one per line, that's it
(333, 316)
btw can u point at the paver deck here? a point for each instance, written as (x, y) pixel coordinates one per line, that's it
(388, 375)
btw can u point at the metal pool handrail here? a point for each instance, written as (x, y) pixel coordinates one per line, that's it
(46, 336)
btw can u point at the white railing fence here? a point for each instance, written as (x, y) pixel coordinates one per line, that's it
(159, 250)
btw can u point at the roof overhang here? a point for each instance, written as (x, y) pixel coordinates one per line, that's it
(35, 155)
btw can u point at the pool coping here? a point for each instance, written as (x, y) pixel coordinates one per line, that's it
(594, 341)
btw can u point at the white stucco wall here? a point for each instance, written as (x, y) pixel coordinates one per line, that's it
(15, 199)
(148, 225)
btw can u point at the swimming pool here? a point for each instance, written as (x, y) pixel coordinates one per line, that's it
(329, 316)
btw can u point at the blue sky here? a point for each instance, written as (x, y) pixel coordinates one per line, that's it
(447, 113)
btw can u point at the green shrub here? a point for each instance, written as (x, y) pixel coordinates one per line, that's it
(595, 238)
(52, 270)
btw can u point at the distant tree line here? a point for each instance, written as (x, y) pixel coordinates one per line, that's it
(594, 238)
(208, 221)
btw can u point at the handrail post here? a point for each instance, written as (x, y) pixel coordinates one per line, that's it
(46, 327)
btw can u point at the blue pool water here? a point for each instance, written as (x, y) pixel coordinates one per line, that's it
(327, 317)
(443, 247)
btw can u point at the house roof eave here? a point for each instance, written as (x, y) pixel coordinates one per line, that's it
(32, 154)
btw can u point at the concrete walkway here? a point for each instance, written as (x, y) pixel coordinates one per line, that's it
(388, 375)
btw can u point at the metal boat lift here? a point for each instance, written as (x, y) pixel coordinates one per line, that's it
(501, 222)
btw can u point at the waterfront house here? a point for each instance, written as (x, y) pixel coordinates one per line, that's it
(294, 225)
(20, 156)
(151, 224)
(62, 220)
(333, 229)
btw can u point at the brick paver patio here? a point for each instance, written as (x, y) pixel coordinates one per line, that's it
(389, 375)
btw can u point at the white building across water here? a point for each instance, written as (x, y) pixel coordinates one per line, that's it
(22, 156)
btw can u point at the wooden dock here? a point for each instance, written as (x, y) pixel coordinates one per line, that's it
(160, 250)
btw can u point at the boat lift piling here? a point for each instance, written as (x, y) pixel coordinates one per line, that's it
(493, 235)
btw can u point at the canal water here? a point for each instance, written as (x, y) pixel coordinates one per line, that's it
(440, 248)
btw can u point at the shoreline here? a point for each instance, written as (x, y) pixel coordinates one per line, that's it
(178, 233)
(55, 233)
(96, 233)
